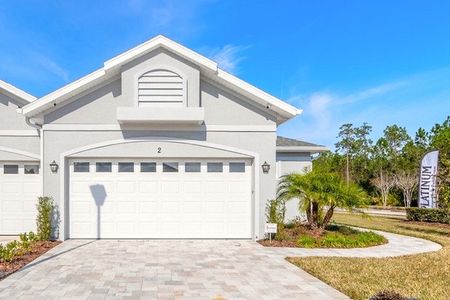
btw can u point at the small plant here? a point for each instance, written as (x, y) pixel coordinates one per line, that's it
(9, 251)
(306, 242)
(46, 209)
(388, 295)
(26, 241)
(275, 212)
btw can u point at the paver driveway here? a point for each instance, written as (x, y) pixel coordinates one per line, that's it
(155, 269)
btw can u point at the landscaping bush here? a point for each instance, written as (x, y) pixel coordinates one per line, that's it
(46, 209)
(275, 212)
(17, 248)
(428, 214)
(9, 251)
(388, 295)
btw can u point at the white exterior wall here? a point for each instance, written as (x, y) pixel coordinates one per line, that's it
(293, 162)
(231, 122)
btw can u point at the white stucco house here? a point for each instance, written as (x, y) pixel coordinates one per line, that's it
(157, 143)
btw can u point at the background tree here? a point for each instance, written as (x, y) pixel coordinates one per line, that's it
(355, 144)
(346, 145)
(407, 182)
(384, 184)
(440, 140)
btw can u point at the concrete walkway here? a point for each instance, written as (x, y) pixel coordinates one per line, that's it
(183, 269)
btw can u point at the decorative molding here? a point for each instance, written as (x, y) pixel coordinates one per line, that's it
(117, 127)
(19, 133)
(20, 152)
(312, 149)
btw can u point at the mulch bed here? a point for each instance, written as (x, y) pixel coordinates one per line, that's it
(291, 235)
(39, 248)
(274, 243)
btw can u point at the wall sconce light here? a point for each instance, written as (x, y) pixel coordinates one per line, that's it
(265, 167)
(54, 167)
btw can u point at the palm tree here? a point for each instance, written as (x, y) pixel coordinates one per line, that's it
(319, 192)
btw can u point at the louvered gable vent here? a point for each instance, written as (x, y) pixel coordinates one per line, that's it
(161, 88)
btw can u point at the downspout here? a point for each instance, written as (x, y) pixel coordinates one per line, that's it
(34, 125)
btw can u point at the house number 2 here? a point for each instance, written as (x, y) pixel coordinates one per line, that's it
(159, 150)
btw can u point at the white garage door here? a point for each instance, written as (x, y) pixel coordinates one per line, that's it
(169, 198)
(19, 190)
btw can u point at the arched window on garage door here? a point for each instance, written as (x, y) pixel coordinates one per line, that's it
(161, 88)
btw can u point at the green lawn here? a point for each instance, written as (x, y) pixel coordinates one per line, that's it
(423, 276)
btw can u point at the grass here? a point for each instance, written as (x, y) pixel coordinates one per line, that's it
(423, 276)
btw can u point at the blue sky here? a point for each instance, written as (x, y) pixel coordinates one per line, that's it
(381, 62)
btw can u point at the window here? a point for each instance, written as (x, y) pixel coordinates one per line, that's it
(31, 169)
(237, 167)
(192, 167)
(147, 167)
(103, 167)
(10, 169)
(215, 167)
(126, 167)
(170, 167)
(81, 167)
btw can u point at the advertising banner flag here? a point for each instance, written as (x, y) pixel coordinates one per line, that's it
(428, 185)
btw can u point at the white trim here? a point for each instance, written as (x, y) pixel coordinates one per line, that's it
(116, 127)
(73, 88)
(20, 152)
(264, 98)
(315, 149)
(19, 133)
(159, 41)
(112, 66)
(17, 93)
(256, 162)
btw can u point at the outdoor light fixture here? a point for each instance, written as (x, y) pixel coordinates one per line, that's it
(265, 167)
(54, 167)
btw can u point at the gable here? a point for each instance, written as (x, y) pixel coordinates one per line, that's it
(281, 110)
(159, 79)
(9, 118)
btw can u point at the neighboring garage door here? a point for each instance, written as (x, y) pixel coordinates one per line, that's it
(170, 198)
(19, 190)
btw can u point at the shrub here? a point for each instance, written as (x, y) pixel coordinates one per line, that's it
(26, 241)
(46, 209)
(275, 211)
(9, 251)
(388, 295)
(428, 214)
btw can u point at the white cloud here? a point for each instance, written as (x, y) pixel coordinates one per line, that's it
(51, 66)
(325, 111)
(228, 57)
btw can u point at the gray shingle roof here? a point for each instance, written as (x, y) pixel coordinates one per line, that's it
(284, 141)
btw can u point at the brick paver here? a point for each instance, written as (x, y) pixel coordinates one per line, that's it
(183, 269)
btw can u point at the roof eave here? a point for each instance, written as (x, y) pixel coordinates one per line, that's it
(311, 149)
(16, 93)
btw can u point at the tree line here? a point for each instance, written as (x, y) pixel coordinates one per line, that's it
(388, 168)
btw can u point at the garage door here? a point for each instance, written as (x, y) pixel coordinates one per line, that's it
(19, 190)
(171, 198)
